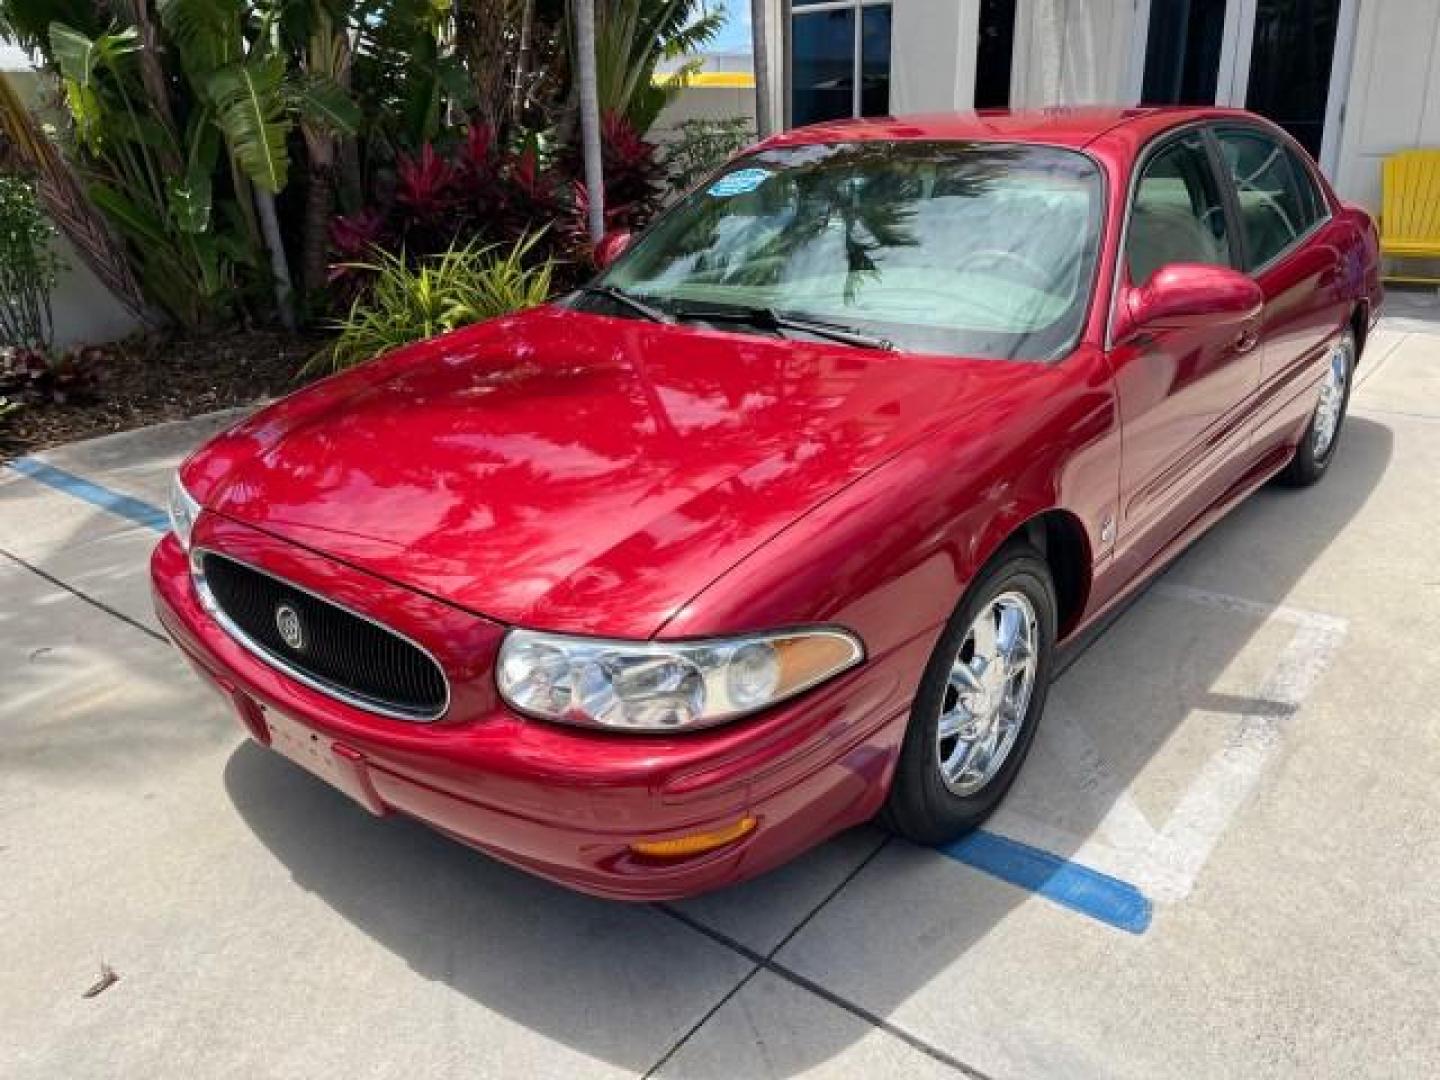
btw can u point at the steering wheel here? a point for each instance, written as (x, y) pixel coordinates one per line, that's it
(1038, 275)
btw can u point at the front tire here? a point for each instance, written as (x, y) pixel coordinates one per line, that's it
(1322, 436)
(979, 702)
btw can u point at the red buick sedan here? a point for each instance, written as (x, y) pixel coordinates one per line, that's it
(780, 523)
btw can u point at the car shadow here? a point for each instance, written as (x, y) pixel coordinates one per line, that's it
(573, 968)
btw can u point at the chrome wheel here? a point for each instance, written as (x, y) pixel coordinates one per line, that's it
(1332, 400)
(987, 694)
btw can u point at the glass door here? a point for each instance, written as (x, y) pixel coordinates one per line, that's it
(839, 59)
(1292, 52)
(1183, 47)
(1275, 57)
(994, 54)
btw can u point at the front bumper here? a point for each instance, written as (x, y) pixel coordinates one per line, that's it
(560, 802)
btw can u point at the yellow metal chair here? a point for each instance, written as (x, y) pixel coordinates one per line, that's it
(1410, 210)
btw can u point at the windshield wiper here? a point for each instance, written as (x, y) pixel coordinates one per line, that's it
(767, 318)
(625, 299)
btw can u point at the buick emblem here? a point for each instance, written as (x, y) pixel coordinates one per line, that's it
(292, 632)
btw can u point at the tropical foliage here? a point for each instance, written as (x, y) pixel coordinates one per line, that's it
(408, 301)
(632, 37)
(28, 268)
(246, 160)
(484, 191)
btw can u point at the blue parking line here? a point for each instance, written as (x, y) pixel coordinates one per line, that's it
(1111, 901)
(131, 509)
(1100, 896)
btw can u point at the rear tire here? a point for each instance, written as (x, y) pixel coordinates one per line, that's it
(1322, 434)
(964, 701)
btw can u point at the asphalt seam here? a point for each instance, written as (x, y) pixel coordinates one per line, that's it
(86, 597)
(767, 962)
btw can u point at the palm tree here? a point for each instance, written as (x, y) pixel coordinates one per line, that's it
(584, 13)
(330, 116)
(633, 37)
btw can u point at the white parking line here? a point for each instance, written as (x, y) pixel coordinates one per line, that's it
(1165, 861)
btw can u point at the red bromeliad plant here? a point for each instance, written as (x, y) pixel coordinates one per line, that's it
(632, 175)
(484, 192)
(426, 200)
(632, 190)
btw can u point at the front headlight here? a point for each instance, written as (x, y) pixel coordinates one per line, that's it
(665, 686)
(183, 511)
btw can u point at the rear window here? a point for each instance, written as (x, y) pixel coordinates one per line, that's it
(1279, 202)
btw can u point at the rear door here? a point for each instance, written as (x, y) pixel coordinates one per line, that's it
(1291, 248)
(1183, 392)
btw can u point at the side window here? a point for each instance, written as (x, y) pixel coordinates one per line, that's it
(1277, 196)
(1178, 215)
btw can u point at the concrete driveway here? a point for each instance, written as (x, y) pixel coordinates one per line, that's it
(1223, 858)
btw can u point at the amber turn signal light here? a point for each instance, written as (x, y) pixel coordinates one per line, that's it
(680, 846)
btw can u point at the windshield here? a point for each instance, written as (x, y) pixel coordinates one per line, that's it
(974, 249)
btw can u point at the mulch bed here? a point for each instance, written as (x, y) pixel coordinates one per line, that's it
(146, 381)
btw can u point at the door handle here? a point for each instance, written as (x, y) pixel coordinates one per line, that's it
(1247, 339)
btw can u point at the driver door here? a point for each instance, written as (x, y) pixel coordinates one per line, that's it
(1183, 392)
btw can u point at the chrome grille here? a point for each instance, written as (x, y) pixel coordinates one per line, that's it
(320, 643)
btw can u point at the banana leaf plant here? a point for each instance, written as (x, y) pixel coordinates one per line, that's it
(182, 123)
(127, 153)
(243, 72)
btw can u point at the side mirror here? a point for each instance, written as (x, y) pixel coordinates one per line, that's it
(610, 247)
(1183, 295)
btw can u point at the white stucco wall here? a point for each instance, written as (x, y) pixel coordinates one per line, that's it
(703, 103)
(85, 311)
(1394, 98)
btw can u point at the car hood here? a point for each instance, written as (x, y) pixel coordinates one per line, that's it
(572, 472)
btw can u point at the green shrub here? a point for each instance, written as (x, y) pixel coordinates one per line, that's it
(28, 268)
(404, 303)
(702, 146)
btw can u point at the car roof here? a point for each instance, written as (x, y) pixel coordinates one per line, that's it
(1072, 126)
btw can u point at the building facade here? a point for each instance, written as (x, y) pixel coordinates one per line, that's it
(1353, 80)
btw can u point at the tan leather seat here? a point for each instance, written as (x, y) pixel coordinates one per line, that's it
(1160, 234)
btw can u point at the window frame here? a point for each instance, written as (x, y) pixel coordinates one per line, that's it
(1299, 160)
(1215, 166)
(795, 11)
(1219, 173)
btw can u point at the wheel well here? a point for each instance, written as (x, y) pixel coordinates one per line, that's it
(1360, 324)
(1060, 537)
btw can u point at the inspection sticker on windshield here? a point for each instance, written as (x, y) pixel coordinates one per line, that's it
(741, 182)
